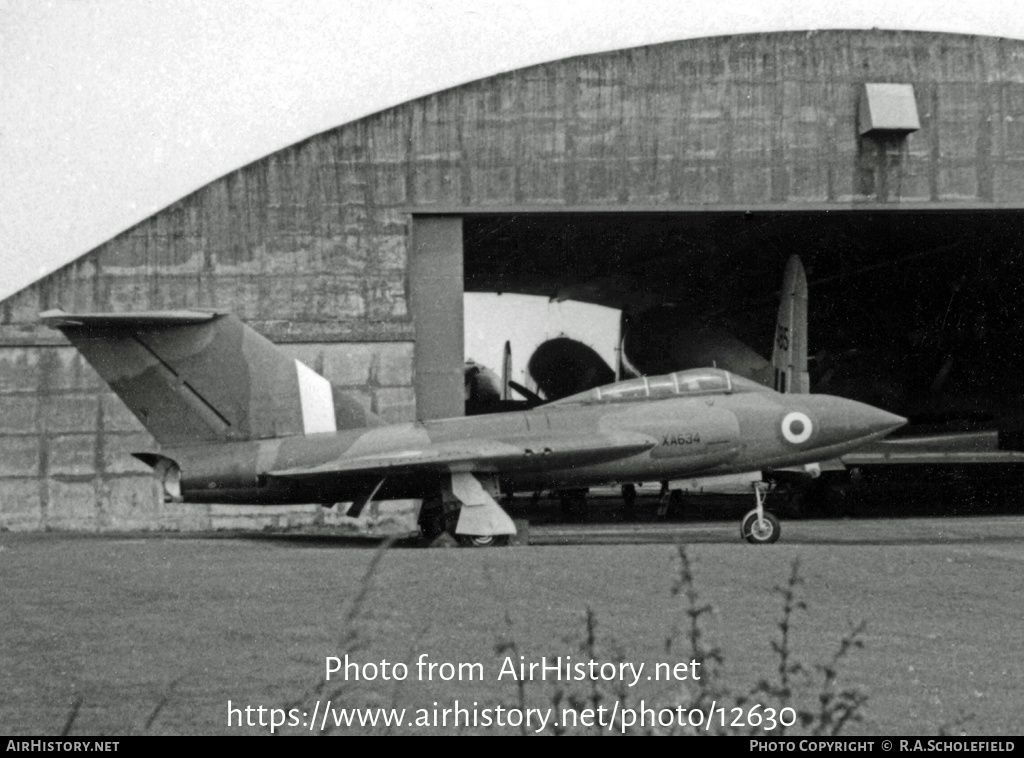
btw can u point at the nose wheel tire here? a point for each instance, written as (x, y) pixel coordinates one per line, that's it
(760, 532)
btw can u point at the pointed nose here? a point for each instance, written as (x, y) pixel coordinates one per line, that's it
(839, 424)
(872, 422)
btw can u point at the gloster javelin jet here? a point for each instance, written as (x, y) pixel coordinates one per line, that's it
(239, 421)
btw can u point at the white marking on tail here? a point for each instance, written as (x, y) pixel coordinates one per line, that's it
(317, 398)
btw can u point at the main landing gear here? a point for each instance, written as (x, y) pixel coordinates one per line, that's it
(466, 511)
(490, 540)
(760, 527)
(670, 502)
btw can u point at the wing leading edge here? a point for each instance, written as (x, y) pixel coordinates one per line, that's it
(482, 456)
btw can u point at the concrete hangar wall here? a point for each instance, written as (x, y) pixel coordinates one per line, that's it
(348, 247)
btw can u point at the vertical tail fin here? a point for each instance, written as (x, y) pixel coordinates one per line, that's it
(789, 355)
(192, 377)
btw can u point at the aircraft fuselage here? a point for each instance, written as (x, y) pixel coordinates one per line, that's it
(677, 436)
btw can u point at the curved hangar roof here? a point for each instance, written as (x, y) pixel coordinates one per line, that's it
(311, 242)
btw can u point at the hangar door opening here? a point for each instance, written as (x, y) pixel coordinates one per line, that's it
(918, 312)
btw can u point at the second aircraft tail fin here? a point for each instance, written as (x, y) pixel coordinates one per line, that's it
(789, 354)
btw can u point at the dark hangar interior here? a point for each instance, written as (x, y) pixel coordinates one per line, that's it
(919, 312)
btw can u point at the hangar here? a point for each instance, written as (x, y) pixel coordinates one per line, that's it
(680, 175)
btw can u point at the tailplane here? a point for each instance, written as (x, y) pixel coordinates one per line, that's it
(193, 377)
(789, 355)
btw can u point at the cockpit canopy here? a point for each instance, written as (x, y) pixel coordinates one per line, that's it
(693, 382)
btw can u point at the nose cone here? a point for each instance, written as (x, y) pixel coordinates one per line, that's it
(872, 422)
(848, 424)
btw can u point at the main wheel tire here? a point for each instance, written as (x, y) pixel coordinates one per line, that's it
(762, 532)
(488, 540)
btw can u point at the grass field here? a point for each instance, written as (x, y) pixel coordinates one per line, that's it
(129, 626)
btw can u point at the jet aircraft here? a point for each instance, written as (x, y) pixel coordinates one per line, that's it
(563, 366)
(239, 421)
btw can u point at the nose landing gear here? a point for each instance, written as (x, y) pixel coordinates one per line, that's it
(760, 527)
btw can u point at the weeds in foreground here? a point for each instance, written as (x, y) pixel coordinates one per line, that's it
(69, 722)
(165, 698)
(810, 694)
(798, 696)
(350, 641)
(830, 710)
(505, 646)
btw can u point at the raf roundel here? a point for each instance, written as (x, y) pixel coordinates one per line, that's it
(797, 427)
